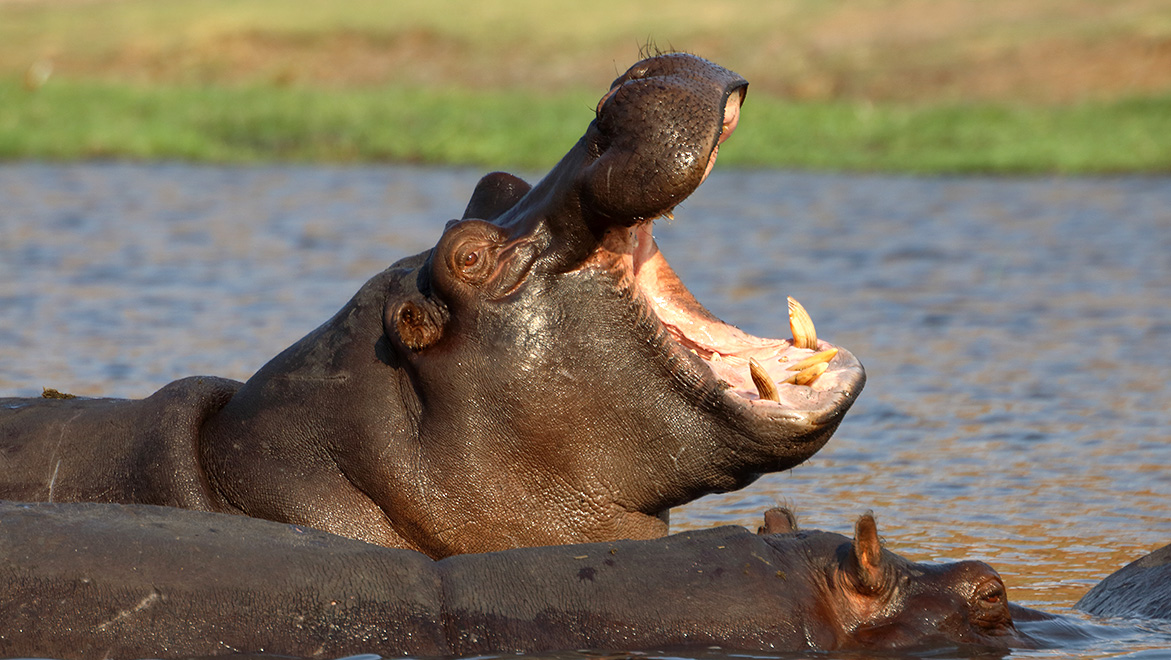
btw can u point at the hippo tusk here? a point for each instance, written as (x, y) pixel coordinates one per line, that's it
(817, 358)
(764, 382)
(804, 334)
(807, 376)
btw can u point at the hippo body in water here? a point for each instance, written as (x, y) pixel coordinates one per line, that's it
(540, 376)
(105, 581)
(1141, 589)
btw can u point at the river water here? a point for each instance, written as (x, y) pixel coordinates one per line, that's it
(1016, 332)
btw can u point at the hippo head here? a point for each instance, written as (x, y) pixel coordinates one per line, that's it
(885, 601)
(542, 375)
(549, 316)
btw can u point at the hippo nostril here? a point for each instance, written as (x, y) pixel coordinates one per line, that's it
(638, 72)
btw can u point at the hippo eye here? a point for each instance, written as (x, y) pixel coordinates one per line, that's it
(473, 263)
(990, 610)
(993, 594)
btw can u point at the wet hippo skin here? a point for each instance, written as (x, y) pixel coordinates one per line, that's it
(1140, 589)
(96, 580)
(540, 376)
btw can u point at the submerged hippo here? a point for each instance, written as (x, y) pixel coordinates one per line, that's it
(1141, 589)
(540, 376)
(103, 581)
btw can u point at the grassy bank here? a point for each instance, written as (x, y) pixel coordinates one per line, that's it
(894, 85)
(88, 119)
(99, 119)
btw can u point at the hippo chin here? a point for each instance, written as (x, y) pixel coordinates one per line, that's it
(540, 376)
(103, 581)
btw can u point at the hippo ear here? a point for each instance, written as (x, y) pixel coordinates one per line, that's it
(416, 325)
(868, 553)
(778, 520)
(494, 194)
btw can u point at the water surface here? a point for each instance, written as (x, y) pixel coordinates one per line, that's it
(1016, 332)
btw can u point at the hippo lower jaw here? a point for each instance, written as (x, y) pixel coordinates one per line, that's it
(791, 391)
(773, 376)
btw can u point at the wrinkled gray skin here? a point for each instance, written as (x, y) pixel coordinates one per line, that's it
(102, 581)
(516, 385)
(1141, 589)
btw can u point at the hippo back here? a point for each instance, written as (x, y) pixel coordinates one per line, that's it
(143, 451)
(100, 581)
(1141, 589)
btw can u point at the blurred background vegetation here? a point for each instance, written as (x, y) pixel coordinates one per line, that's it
(1000, 86)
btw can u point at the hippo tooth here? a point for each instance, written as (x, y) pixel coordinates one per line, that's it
(807, 376)
(670, 215)
(804, 334)
(764, 382)
(816, 358)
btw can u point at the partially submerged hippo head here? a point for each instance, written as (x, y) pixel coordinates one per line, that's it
(875, 599)
(887, 601)
(541, 376)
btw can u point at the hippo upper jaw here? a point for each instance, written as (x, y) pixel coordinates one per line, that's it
(783, 397)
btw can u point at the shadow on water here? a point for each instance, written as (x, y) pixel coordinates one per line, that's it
(1016, 333)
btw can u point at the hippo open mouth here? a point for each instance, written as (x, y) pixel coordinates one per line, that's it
(772, 376)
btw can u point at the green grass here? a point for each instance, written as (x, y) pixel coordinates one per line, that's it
(888, 85)
(1089, 137)
(69, 119)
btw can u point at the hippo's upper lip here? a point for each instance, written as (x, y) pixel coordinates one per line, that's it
(810, 379)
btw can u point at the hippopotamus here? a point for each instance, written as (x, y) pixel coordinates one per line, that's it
(540, 376)
(103, 581)
(1141, 589)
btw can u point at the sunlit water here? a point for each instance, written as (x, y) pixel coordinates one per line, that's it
(1016, 333)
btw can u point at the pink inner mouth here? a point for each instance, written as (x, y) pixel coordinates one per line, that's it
(724, 348)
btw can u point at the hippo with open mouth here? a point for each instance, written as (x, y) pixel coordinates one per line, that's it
(98, 581)
(540, 376)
